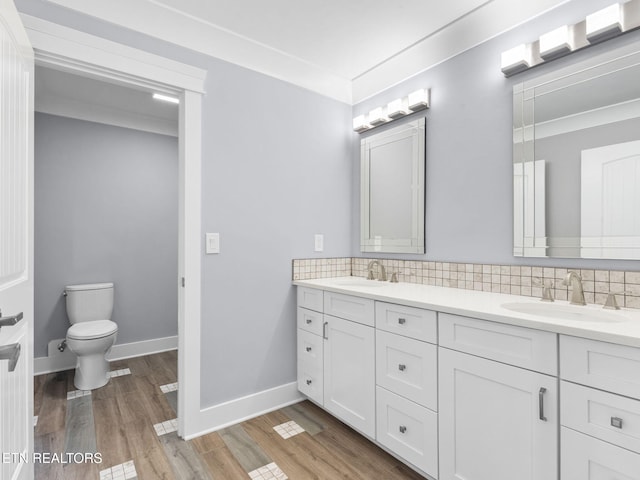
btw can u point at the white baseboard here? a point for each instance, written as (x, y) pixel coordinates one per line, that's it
(244, 408)
(67, 360)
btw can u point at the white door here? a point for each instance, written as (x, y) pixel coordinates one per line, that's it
(349, 373)
(497, 422)
(16, 247)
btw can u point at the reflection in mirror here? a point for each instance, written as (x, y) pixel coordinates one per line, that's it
(392, 189)
(577, 160)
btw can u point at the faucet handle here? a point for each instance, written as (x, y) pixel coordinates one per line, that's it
(394, 277)
(547, 285)
(612, 303)
(370, 275)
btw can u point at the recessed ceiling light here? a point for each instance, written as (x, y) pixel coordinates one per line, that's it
(165, 98)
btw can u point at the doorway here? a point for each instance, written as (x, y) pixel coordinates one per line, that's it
(75, 52)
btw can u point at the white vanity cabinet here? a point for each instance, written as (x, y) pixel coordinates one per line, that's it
(336, 355)
(498, 420)
(407, 384)
(600, 410)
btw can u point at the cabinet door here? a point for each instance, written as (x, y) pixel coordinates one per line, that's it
(349, 373)
(490, 420)
(587, 458)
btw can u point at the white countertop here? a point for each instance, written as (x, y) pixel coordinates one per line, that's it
(488, 306)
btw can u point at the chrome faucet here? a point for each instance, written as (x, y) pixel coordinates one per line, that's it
(382, 274)
(577, 294)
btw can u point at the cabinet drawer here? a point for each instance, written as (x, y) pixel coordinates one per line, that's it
(310, 321)
(587, 458)
(408, 367)
(310, 382)
(523, 347)
(600, 414)
(310, 298)
(407, 429)
(310, 348)
(310, 365)
(352, 308)
(602, 365)
(408, 321)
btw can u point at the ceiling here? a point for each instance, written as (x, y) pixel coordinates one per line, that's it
(344, 49)
(344, 37)
(68, 95)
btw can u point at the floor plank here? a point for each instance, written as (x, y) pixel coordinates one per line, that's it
(111, 437)
(304, 417)
(244, 448)
(184, 460)
(80, 434)
(53, 404)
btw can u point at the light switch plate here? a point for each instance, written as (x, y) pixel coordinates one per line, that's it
(212, 243)
(319, 242)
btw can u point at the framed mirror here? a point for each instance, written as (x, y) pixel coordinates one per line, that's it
(392, 189)
(576, 153)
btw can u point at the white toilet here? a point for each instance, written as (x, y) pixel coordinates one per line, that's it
(92, 333)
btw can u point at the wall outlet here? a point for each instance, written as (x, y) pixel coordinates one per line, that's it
(319, 242)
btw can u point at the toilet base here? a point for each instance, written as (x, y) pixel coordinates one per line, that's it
(92, 368)
(92, 371)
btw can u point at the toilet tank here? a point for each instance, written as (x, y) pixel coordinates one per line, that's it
(92, 301)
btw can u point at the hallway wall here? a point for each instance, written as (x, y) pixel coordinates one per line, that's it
(106, 210)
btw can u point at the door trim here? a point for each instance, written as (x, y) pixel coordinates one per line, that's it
(69, 50)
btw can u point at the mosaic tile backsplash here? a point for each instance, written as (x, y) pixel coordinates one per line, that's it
(510, 279)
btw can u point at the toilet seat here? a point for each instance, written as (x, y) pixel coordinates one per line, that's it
(92, 329)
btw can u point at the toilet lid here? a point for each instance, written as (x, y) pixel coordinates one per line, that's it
(92, 329)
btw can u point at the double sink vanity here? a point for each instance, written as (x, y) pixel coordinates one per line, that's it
(470, 385)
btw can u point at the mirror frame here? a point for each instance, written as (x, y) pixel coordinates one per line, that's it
(528, 211)
(416, 130)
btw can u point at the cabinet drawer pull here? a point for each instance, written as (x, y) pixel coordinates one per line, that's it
(616, 422)
(402, 429)
(309, 321)
(402, 321)
(308, 349)
(541, 403)
(324, 330)
(308, 382)
(402, 367)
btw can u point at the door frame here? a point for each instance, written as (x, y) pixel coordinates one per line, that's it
(63, 48)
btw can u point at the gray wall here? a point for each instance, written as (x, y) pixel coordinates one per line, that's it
(277, 168)
(469, 211)
(106, 209)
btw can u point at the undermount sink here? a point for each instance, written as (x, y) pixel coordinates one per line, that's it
(566, 312)
(360, 282)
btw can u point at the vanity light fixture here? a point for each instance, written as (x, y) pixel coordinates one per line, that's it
(516, 59)
(415, 101)
(165, 98)
(605, 23)
(360, 124)
(557, 42)
(602, 25)
(398, 108)
(418, 100)
(378, 117)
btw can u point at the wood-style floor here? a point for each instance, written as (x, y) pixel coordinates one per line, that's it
(125, 422)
